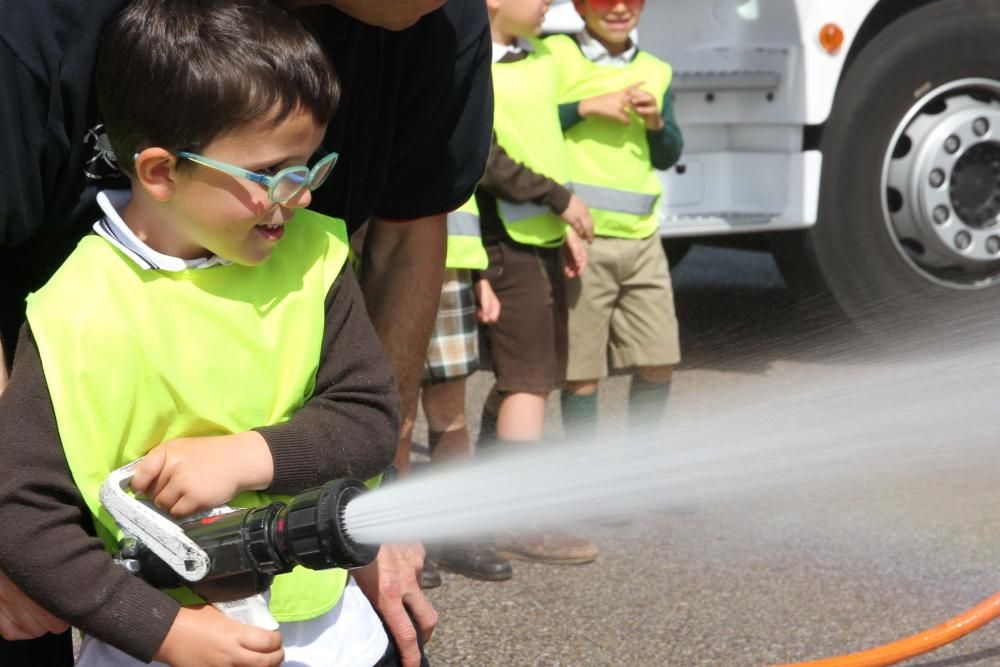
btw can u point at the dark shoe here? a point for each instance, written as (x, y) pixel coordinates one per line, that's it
(476, 561)
(547, 546)
(430, 577)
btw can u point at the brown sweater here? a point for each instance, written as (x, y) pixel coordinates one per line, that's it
(348, 428)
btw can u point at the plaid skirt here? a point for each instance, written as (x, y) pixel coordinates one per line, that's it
(453, 352)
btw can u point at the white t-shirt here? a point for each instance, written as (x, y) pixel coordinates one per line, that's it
(349, 635)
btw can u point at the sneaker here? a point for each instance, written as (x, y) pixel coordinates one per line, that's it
(546, 546)
(476, 561)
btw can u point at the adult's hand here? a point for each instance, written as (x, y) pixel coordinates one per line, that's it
(392, 584)
(401, 279)
(577, 216)
(21, 617)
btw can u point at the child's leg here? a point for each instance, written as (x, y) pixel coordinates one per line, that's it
(528, 346)
(591, 300)
(579, 409)
(647, 396)
(644, 333)
(521, 417)
(528, 342)
(448, 433)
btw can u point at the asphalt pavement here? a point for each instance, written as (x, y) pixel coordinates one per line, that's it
(772, 578)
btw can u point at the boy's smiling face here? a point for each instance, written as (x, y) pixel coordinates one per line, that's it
(610, 21)
(211, 212)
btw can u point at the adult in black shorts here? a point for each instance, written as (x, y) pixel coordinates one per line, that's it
(413, 133)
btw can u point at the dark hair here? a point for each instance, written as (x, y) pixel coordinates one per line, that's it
(178, 73)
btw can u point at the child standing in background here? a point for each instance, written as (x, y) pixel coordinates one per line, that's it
(617, 114)
(530, 220)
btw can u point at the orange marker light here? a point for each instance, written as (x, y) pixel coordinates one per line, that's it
(831, 38)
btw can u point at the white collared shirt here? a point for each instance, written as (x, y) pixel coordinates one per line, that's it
(520, 45)
(598, 53)
(114, 229)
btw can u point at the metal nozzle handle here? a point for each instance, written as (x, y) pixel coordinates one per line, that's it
(163, 537)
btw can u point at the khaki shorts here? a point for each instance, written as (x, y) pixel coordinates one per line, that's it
(621, 310)
(527, 345)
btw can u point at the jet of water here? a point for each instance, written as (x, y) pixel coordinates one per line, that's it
(933, 408)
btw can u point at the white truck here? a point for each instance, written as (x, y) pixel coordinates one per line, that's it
(872, 168)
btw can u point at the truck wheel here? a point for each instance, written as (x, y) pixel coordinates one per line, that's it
(909, 218)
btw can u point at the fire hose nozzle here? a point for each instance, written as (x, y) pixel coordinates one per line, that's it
(239, 552)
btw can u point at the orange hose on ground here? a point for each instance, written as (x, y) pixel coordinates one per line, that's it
(920, 643)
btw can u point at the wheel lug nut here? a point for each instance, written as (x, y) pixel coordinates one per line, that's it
(993, 245)
(963, 240)
(952, 144)
(937, 178)
(980, 126)
(941, 214)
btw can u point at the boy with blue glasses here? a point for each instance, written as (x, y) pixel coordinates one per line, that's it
(211, 325)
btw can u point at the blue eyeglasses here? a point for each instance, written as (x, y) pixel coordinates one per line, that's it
(281, 187)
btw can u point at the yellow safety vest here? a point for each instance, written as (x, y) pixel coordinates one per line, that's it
(609, 162)
(526, 120)
(465, 239)
(135, 357)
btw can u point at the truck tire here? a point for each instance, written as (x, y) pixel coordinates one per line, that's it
(909, 214)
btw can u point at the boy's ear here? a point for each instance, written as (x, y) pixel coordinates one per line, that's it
(156, 172)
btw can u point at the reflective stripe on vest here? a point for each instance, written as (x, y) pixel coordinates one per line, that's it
(609, 199)
(526, 121)
(610, 162)
(461, 223)
(465, 239)
(192, 353)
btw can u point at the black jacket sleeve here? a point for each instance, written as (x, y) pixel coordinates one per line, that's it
(23, 114)
(350, 425)
(46, 548)
(445, 117)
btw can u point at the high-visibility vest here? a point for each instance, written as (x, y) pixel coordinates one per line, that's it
(154, 356)
(465, 239)
(609, 162)
(526, 121)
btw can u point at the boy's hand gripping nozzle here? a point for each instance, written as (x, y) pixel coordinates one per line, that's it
(230, 556)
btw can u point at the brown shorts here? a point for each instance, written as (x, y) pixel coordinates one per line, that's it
(527, 346)
(621, 310)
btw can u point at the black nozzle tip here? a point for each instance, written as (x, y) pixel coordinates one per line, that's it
(315, 527)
